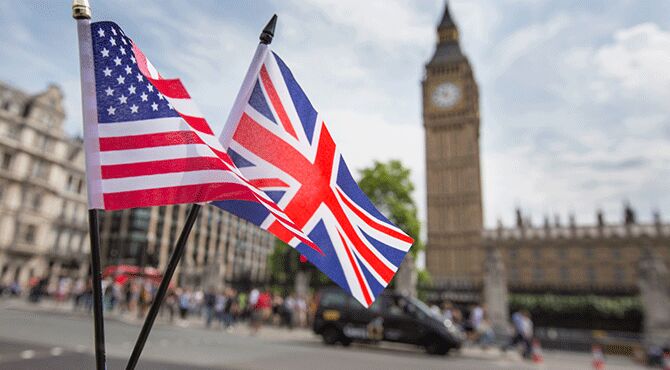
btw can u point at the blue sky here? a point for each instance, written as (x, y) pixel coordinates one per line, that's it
(574, 94)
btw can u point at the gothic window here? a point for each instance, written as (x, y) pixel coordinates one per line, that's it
(591, 274)
(538, 274)
(619, 275)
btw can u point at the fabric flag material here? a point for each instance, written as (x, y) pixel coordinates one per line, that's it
(280, 143)
(147, 144)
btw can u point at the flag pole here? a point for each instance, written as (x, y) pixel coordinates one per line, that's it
(177, 253)
(81, 12)
(265, 39)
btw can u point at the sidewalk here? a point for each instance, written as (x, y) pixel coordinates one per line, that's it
(194, 321)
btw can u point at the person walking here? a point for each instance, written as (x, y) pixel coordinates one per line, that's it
(209, 301)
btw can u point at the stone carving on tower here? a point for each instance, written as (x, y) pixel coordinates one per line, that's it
(454, 253)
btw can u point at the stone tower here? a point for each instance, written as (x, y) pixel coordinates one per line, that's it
(454, 253)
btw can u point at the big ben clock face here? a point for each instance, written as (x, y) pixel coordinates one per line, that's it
(446, 95)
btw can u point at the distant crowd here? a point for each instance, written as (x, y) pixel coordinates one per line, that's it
(217, 308)
(227, 307)
(478, 329)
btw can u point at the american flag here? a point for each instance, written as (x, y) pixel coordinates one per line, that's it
(281, 144)
(150, 145)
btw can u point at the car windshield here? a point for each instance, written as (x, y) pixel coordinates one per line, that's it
(423, 307)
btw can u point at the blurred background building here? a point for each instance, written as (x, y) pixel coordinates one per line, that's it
(221, 247)
(43, 228)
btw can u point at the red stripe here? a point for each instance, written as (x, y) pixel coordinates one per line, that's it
(149, 140)
(359, 277)
(268, 183)
(172, 88)
(198, 123)
(373, 224)
(276, 103)
(159, 167)
(177, 195)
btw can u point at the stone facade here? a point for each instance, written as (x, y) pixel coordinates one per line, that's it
(451, 118)
(43, 225)
(221, 249)
(575, 258)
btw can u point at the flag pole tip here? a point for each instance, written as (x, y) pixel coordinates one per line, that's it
(81, 9)
(269, 31)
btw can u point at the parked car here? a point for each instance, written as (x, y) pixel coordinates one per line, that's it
(393, 317)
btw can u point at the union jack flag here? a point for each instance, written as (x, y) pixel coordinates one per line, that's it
(147, 144)
(280, 143)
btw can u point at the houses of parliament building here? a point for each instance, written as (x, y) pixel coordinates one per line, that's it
(552, 257)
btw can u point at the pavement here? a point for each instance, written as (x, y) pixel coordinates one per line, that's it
(49, 337)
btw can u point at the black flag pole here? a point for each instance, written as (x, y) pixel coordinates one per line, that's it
(177, 253)
(81, 12)
(96, 274)
(265, 39)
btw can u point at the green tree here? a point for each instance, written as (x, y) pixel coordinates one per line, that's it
(389, 187)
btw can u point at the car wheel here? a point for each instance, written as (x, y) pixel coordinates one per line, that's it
(330, 335)
(345, 341)
(435, 346)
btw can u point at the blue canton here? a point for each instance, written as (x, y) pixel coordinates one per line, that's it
(123, 93)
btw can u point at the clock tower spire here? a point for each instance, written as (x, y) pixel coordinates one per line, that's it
(454, 253)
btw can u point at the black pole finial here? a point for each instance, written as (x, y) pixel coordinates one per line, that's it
(269, 31)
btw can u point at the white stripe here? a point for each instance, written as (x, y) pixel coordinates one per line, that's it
(277, 78)
(155, 154)
(168, 180)
(379, 235)
(90, 116)
(151, 126)
(185, 106)
(152, 70)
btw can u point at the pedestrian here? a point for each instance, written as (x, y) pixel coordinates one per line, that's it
(523, 332)
(184, 304)
(209, 301)
(170, 303)
(231, 309)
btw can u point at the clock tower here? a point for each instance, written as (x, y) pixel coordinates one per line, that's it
(454, 253)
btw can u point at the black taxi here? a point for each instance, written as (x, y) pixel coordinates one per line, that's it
(393, 317)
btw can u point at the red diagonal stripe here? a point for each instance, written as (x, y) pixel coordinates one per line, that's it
(268, 146)
(198, 123)
(172, 88)
(359, 276)
(268, 183)
(276, 103)
(374, 224)
(159, 167)
(149, 140)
